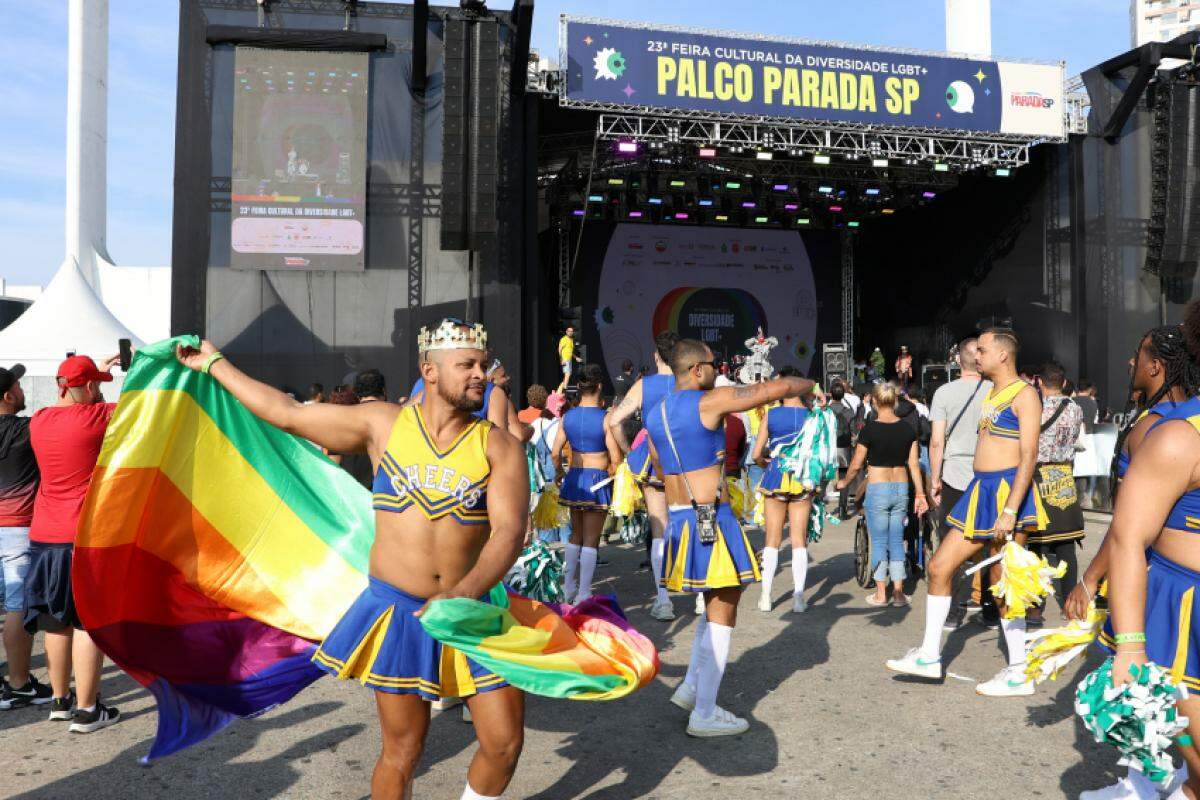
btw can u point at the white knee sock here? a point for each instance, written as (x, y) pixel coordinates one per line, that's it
(799, 569)
(587, 567)
(712, 668)
(1014, 639)
(770, 562)
(657, 548)
(937, 609)
(698, 650)
(471, 794)
(570, 567)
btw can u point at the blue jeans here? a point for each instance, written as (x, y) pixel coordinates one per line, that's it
(886, 505)
(14, 564)
(552, 535)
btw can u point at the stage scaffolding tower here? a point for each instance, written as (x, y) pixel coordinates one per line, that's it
(848, 293)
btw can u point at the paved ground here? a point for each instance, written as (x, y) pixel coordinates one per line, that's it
(826, 721)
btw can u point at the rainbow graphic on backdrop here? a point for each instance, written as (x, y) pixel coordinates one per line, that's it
(722, 317)
(215, 550)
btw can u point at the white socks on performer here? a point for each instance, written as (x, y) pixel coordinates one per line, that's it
(711, 667)
(570, 567)
(587, 568)
(770, 562)
(471, 794)
(937, 609)
(692, 676)
(657, 548)
(799, 570)
(1014, 640)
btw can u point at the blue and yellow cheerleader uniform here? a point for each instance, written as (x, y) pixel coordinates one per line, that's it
(378, 640)
(975, 514)
(654, 389)
(691, 565)
(783, 423)
(585, 431)
(1172, 608)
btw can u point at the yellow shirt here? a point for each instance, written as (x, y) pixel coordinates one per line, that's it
(566, 349)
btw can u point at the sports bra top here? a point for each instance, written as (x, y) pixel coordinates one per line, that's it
(1185, 514)
(784, 422)
(997, 416)
(654, 389)
(698, 446)
(418, 393)
(584, 427)
(1165, 407)
(414, 472)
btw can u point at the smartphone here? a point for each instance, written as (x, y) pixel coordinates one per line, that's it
(126, 349)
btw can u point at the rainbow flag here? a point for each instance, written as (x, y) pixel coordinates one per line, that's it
(215, 550)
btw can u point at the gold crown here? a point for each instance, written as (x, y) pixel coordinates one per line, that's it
(452, 335)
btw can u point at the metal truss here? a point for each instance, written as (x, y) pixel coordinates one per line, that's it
(800, 138)
(562, 231)
(1078, 103)
(848, 293)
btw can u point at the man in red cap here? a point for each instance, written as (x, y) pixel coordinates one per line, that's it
(66, 440)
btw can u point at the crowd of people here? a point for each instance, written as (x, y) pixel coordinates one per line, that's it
(988, 458)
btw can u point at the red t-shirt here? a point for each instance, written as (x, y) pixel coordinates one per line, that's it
(66, 441)
(529, 415)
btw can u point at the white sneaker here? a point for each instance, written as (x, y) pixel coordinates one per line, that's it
(663, 611)
(721, 723)
(699, 603)
(764, 602)
(1009, 682)
(685, 696)
(915, 662)
(466, 717)
(446, 703)
(799, 604)
(1123, 789)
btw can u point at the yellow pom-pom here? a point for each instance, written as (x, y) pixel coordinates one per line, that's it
(1025, 579)
(1048, 651)
(627, 495)
(546, 514)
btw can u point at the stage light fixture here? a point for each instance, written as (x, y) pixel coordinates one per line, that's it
(781, 187)
(749, 204)
(941, 167)
(721, 218)
(761, 220)
(825, 189)
(635, 214)
(764, 155)
(616, 181)
(820, 159)
(678, 184)
(681, 215)
(708, 152)
(872, 192)
(595, 198)
(577, 212)
(879, 162)
(802, 221)
(888, 211)
(791, 207)
(1003, 172)
(929, 195)
(835, 209)
(473, 6)
(733, 185)
(629, 148)
(852, 224)
(706, 202)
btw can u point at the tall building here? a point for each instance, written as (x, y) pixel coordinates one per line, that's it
(1162, 20)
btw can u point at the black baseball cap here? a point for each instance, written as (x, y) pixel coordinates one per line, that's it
(9, 377)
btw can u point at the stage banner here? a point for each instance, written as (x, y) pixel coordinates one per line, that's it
(718, 285)
(678, 69)
(299, 160)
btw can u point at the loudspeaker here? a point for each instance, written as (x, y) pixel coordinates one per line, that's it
(835, 362)
(933, 376)
(1181, 232)
(454, 137)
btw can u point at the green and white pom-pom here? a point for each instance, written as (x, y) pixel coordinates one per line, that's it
(812, 458)
(1140, 719)
(635, 528)
(537, 574)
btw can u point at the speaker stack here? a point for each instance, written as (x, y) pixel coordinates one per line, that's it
(1174, 251)
(835, 362)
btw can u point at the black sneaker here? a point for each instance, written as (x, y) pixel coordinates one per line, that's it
(1033, 623)
(91, 721)
(988, 622)
(953, 622)
(32, 693)
(63, 708)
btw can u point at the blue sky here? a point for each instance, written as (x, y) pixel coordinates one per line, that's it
(141, 117)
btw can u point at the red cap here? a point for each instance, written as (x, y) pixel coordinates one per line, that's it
(81, 370)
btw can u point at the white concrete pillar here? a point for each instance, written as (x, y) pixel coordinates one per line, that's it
(87, 135)
(969, 27)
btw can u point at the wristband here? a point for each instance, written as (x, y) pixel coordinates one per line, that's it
(1129, 638)
(1010, 511)
(214, 358)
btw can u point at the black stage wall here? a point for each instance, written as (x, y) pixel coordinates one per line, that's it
(291, 327)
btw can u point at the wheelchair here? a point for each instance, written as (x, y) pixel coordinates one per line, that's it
(918, 547)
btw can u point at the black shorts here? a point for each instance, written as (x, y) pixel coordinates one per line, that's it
(49, 601)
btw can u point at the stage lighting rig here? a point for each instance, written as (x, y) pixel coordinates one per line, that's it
(473, 6)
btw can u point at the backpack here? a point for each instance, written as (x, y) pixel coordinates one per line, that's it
(845, 418)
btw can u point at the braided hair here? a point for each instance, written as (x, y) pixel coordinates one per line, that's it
(1178, 348)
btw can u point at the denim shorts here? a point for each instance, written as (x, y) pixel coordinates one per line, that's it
(14, 559)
